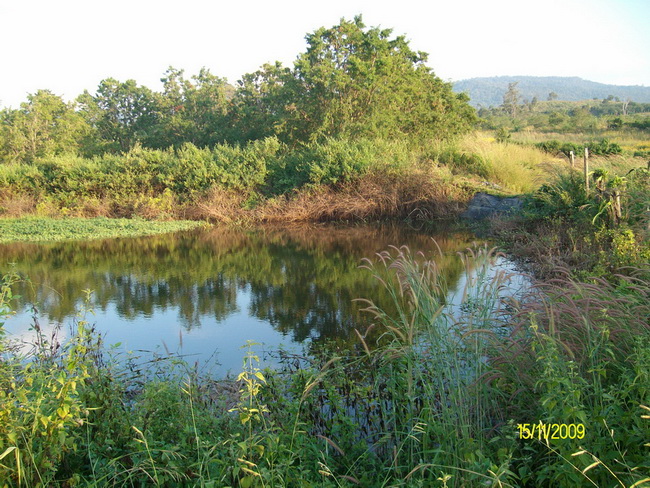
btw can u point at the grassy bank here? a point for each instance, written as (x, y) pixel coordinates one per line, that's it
(597, 232)
(269, 181)
(42, 229)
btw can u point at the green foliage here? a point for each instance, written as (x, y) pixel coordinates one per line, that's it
(43, 126)
(462, 162)
(503, 135)
(638, 191)
(37, 229)
(191, 111)
(187, 171)
(259, 104)
(353, 82)
(598, 148)
(149, 177)
(597, 231)
(123, 113)
(567, 198)
(41, 411)
(198, 170)
(643, 124)
(335, 161)
(578, 363)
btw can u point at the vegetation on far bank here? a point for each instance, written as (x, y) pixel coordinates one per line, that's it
(358, 128)
(352, 82)
(267, 181)
(43, 229)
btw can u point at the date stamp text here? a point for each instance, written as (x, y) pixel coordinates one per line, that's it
(548, 432)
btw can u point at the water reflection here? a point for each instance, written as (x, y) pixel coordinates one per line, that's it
(215, 289)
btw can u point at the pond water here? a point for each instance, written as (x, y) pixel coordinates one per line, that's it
(204, 293)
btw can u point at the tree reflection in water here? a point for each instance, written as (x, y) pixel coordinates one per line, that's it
(298, 282)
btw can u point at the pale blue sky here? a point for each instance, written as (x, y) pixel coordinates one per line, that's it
(71, 45)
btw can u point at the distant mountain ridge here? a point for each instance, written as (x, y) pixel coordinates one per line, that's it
(489, 91)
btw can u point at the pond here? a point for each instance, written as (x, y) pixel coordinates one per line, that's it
(202, 294)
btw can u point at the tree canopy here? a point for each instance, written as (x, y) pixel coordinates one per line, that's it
(352, 82)
(43, 125)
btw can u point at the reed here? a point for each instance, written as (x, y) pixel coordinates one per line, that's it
(430, 364)
(578, 354)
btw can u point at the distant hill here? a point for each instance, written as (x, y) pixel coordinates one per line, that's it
(488, 92)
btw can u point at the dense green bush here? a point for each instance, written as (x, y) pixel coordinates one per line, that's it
(263, 165)
(336, 160)
(595, 231)
(187, 171)
(599, 148)
(464, 162)
(643, 124)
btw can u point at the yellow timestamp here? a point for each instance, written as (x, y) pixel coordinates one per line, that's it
(542, 431)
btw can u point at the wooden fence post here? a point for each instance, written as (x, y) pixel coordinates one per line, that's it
(572, 157)
(587, 169)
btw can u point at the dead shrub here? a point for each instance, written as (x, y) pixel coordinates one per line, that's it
(217, 205)
(417, 195)
(16, 204)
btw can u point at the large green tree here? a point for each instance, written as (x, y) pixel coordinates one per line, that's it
(354, 81)
(261, 103)
(43, 125)
(193, 110)
(123, 114)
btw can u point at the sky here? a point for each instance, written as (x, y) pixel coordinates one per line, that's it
(68, 46)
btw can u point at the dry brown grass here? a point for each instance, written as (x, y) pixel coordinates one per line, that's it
(217, 206)
(420, 194)
(417, 195)
(16, 205)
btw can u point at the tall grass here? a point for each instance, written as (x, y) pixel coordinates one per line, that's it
(430, 365)
(516, 168)
(578, 354)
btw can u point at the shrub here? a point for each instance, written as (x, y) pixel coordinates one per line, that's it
(336, 161)
(464, 163)
(598, 148)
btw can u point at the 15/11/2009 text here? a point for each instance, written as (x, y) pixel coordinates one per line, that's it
(542, 431)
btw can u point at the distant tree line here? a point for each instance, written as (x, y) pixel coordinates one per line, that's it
(516, 113)
(352, 82)
(488, 91)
